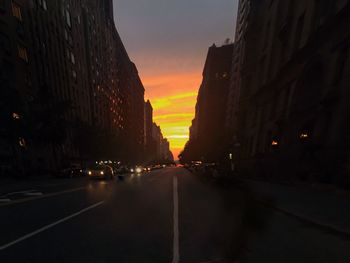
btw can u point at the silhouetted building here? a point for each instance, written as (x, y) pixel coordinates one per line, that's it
(166, 154)
(150, 145)
(245, 15)
(135, 113)
(209, 122)
(157, 137)
(16, 86)
(69, 91)
(162, 147)
(293, 104)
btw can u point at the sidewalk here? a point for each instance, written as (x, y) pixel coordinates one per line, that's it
(327, 209)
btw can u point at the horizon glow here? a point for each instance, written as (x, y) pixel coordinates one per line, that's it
(168, 41)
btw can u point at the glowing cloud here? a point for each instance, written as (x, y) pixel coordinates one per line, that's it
(173, 98)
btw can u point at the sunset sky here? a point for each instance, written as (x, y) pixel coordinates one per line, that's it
(168, 41)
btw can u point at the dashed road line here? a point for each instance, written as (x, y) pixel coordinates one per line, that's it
(20, 192)
(36, 197)
(33, 194)
(49, 226)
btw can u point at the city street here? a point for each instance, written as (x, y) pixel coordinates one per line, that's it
(167, 215)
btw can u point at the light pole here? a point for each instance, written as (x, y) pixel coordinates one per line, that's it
(231, 162)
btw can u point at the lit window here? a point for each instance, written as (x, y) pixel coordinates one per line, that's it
(304, 136)
(16, 11)
(22, 53)
(22, 142)
(16, 116)
(274, 143)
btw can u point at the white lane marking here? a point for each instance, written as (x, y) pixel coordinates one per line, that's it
(32, 198)
(49, 226)
(4, 200)
(20, 192)
(176, 252)
(33, 194)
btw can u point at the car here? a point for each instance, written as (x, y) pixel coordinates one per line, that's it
(101, 172)
(136, 169)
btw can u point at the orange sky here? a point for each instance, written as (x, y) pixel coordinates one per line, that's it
(168, 40)
(173, 98)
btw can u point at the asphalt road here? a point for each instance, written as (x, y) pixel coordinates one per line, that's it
(167, 215)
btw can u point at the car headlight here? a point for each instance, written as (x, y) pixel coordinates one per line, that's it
(90, 173)
(132, 170)
(102, 173)
(138, 170)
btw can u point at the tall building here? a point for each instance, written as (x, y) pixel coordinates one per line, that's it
(157, 137)
(166, 154)
(17, 88)
(161, 151)
(291, 116)
(70, 92)
(135, 113)
(209, 119)
(148, 127)
(246, 14)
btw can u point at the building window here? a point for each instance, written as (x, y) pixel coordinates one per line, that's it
(44, 5)
(267, 34)
(5, 43)
(22, 53)
(72, 58)
(299, 32)
(16, 11)
(68, 19)
(340, 66)
(22, 142)
(2, 5)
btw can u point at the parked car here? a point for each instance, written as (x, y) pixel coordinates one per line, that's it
(101, 172)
